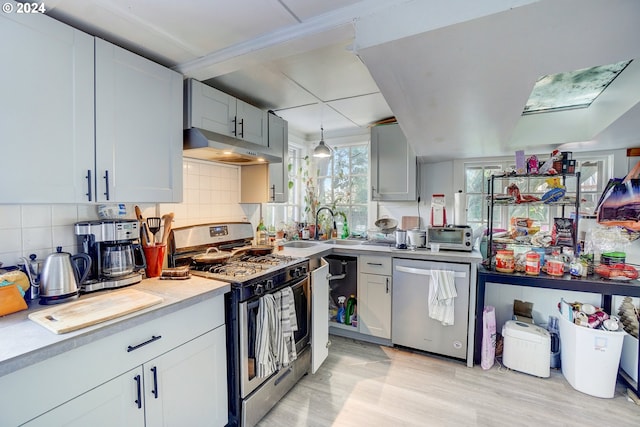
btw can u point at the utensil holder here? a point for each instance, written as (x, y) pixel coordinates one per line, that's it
(154, 255)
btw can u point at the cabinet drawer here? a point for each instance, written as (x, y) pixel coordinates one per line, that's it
(375, 264)
(81, 369)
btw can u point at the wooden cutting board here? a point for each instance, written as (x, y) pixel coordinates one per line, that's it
(79, 314)
(410, 222)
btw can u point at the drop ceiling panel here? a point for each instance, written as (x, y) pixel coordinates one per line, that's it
(263, 87)
(330, 73)
(309, 118)
(363, 110)
(305, 9)
(180, 30)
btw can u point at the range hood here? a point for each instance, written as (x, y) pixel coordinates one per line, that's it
(206, 145)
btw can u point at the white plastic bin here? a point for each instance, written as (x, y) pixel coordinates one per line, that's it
(590, 358)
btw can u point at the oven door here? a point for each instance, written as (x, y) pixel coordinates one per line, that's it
(248, 320)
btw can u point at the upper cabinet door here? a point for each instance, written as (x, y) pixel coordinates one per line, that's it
(279, 172)
(251, 123)
(393, 165)
(47, 104)
(210, 109)
(138, 128)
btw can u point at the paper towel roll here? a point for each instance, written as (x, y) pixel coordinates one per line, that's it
(460, 208)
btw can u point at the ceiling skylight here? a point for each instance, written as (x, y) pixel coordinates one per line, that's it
(574, 89)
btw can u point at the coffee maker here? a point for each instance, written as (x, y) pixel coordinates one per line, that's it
(117, 257)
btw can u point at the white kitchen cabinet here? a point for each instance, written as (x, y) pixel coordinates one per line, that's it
(47, 104)
(110, 404)
(393, 165)
(186, 386)
(187, 347)
(374, 296)
(138, 128)
(319, 320)
(79, 112)
(211, 109)
(279, 172)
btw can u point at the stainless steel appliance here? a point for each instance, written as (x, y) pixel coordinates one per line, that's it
(117, 257)
(252, 278)
(451, 237)
(401, 239)
(61, 276)
(411, 323)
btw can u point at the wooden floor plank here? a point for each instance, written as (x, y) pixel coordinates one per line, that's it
(362, 384)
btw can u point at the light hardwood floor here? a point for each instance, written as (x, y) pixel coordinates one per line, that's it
(368, 385)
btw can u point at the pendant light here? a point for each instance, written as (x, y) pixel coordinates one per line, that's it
(322, 150)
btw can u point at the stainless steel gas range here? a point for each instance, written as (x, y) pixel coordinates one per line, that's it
(270, 296)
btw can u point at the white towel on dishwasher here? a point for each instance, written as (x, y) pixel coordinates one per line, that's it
(442, 292)
(267, 328)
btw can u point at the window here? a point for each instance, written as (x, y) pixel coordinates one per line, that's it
(594, 175)
(342, 184)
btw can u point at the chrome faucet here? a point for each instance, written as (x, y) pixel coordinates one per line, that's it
(316, 236)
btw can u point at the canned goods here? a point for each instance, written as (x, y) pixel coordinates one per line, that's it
(505, 261)
(532, 265)
(555, 265)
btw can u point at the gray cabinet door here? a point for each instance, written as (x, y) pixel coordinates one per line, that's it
(46, 125)
(138, 128)
(393, 165)
(278, 172)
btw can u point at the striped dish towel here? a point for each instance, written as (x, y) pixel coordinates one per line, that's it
(267, 323)
(289, 324)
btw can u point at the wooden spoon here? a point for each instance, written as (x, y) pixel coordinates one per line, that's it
(168, 219)
(144, 235)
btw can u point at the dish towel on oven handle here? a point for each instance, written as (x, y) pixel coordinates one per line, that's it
(289, 326)
(267, 327)
(442, 292)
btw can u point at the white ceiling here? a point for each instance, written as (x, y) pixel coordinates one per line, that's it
(456, 73)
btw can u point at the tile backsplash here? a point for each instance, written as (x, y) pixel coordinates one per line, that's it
(211, 194)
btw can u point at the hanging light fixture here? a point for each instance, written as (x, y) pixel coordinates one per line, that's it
(322, 149)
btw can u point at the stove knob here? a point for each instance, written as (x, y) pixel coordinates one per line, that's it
(269, 285)
(259, 289)
(294, 273)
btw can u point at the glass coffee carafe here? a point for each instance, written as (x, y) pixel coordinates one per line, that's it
(117, 259)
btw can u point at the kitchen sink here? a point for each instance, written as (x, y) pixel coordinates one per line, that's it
(344, 242)
(299, 244)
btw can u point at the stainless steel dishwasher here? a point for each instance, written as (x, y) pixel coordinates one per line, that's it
(411, 325)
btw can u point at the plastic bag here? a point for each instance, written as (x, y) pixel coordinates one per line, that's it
(488, 337)
(619, 204)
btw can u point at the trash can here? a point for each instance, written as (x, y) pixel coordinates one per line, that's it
(590, 358)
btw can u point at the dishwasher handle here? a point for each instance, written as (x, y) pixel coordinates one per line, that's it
(425, 272)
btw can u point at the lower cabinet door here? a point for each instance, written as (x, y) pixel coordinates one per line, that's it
(110, 404)
(187, 386)
(374, 305)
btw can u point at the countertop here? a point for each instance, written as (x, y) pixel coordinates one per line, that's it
(321, 248)
(23, 342)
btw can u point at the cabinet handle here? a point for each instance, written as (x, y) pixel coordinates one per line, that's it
(149, 341)
(235, 126)
(273, 193)
(106, 182)
(155, 382)
(89, 193)
(242, 128)
(375, 263)
(139, 391)
(387, 285)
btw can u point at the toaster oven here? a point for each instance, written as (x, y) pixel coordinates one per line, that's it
(451, 237)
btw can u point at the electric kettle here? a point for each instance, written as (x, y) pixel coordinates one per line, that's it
(62, 275)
